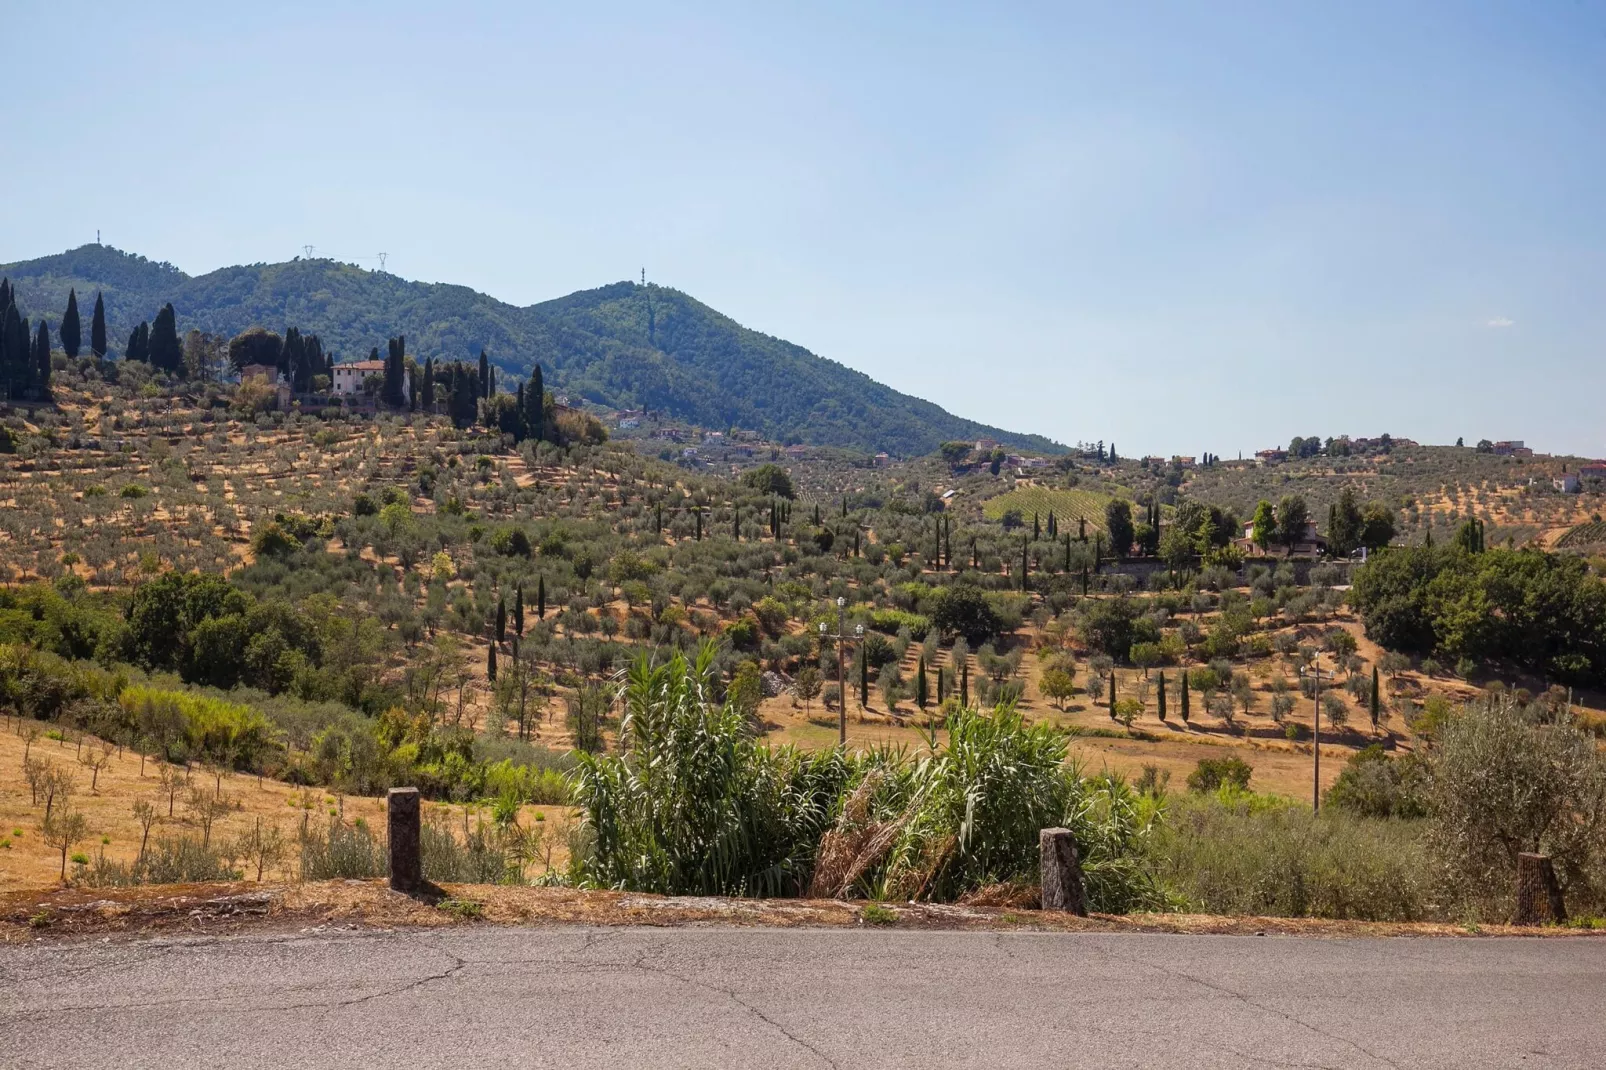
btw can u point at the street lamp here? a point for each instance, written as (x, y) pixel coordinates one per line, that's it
(841, 637)
(1315, 673)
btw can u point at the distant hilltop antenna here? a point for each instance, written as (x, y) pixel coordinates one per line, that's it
(307, 251)
(97, 235)
(382, 260)
(644, 276)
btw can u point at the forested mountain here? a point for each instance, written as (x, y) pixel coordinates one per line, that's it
(623, 345)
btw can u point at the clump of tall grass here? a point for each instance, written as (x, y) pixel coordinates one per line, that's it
(1234, 852)
(692, 805)
(167, 860)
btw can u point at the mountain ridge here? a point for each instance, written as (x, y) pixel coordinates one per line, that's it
(623, 345)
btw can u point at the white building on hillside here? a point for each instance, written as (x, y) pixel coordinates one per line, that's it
(349, 377)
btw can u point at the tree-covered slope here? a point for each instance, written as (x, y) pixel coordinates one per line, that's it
(622, 345)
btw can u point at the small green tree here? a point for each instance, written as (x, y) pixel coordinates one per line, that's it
(1058, 685)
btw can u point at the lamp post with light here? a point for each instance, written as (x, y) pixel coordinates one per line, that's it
(841, 637)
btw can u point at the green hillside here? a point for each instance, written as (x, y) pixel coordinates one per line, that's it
(1068, 505)
(622, 345)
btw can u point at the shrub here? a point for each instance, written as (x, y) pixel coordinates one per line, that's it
(1212, 773)
(1251, 855)
(1375, 785)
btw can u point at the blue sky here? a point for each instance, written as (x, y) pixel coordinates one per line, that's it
(1178, 227)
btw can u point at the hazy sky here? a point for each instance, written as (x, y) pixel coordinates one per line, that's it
(1177, 227)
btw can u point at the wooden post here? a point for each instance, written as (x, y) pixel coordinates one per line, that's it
(1061, 872)
(406, 862)
(1538, 894)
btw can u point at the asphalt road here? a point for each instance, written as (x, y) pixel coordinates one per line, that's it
(479, 996)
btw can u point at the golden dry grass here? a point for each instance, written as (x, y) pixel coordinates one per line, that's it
(26, 862)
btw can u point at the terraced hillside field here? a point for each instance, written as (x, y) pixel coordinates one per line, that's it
(1066, 505)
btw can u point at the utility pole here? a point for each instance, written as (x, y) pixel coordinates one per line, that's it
(841, 637)
(1315, 673)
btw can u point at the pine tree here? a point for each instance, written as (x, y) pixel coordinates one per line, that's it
(1160, 696)
(163, 350)
(71, 330)
(540, 598)
(490, 663)
(501, 619)
(518, 610)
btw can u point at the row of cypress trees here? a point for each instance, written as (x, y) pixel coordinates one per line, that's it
(24, 352)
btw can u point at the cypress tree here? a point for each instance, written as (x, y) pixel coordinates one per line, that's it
(1025, 564)
(138, 343)
(1037, 528)
(501, 620)
(71, 330)
(540, 598)
(1376, 703)
(920, 684)
(1067, 553)
(163, 348)
(518, 611)
(41, 362)
(1160, 695)
(964, 683)
(427, 390)
(1081, 529)
(97, 328)
(864, 678)
(942, 680)
(1112, 694)
(490, 663)
(1184, 689)
(13, 350)
(698, 513)
(485, 375)
(535, 405)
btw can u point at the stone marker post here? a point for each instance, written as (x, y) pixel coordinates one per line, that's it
(1538, 893)
(1062, 872)
(406, 862)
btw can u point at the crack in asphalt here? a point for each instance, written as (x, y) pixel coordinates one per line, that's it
(641, 963)
(1251, 1002)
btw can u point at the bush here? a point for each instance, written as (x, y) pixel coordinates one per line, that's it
(1251, 855)
(1212, 773)
(1376, 785)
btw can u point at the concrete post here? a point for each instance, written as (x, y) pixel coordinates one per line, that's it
(406, 861)
(1061, 872)
(1538, 893)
